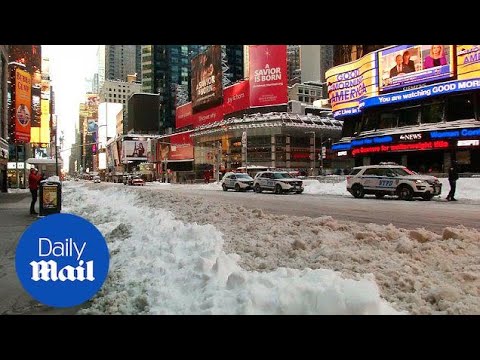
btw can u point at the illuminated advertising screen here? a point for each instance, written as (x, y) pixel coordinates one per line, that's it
(468, 61)
(181, 147)
(45, 122)
(134, 150)
(36, 108)
(23, 105)
(207, 89)
(268, 75)
(406, 66)
(348, 84)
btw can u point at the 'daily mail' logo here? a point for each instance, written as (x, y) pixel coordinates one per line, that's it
(62, 260)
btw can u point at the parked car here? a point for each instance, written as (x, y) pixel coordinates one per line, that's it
(137, 180)
(96, 179)
(279, 182)
(237, 181)
(389, 179)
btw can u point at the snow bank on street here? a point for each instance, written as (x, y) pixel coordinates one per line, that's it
(467, 188)
(158, 183)
(315, 187)
(161, 265)
(18, 191)
(418, 271)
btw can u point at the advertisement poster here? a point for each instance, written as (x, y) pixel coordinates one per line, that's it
(183, 115)
(181, 147)
(134, 150)
(207, 86)
(236, 97)
(49, 199)
(268, 75)
(348, 84)
(23, 106)
(404, 66)
(468, 61)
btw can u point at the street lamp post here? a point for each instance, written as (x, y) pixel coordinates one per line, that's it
(314, 152)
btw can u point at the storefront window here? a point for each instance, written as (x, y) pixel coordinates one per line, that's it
(388, 120)
(409, 116)
(369, 121)
(432, 113)
(460, 107)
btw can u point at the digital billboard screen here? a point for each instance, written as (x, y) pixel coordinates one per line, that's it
(406, 66)
(207, 89)
(134, 150)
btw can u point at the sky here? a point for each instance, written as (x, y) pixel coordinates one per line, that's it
(70, 65)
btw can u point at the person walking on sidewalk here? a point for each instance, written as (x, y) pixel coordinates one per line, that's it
(33, 182)
(452, 179)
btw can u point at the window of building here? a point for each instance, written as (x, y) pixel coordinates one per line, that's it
(114, 95)
(432, 113)
(460, 107)
(300, 90)
(312, 92)
(409, 116)
(388, 120)
(349, 126)
(370, 121)
(300, 98)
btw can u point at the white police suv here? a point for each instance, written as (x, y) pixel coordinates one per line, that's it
(391, 179)
(237, 181)
(278, 182)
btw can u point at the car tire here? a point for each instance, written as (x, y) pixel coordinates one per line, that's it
(358, 191)
(379, 195)
(427, 196)
(258, 189)
(237, 188)
(224, 187)
(299, 192)
(405, 192)
(278, 189)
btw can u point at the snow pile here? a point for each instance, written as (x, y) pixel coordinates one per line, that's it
(53, 178)
(413, 268)
(211, 186)
(467, 188)
(158, 183)
(160, 265)
(315, 187)
(18, 191)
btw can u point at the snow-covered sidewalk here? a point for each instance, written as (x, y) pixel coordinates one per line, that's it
(204, 257)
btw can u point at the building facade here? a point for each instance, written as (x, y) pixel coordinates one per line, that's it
(293, 65)
(423, 112)
(120, 61)
(166, 71)
(118, 91)
(315, 60)
(306, 92)
(4, 154)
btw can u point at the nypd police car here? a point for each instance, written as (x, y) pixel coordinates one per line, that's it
(237, 181)
(278, 182)
(391, 179)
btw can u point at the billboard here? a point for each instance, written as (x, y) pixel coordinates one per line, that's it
(268, 75)
(30, 56)
(23, 106)
(207, 86)
(45, 122)
(236, 97)
(181, 147)
(404, 66)
(468, 61)
(183, 115)
(134, 150)
(348, 84)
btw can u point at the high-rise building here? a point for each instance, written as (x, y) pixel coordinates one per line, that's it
(118, 91)
(315, 61)
(3, 117)
(119, 61)
(166, 71)
(138, 62)
(293, 64)
(101, 65)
